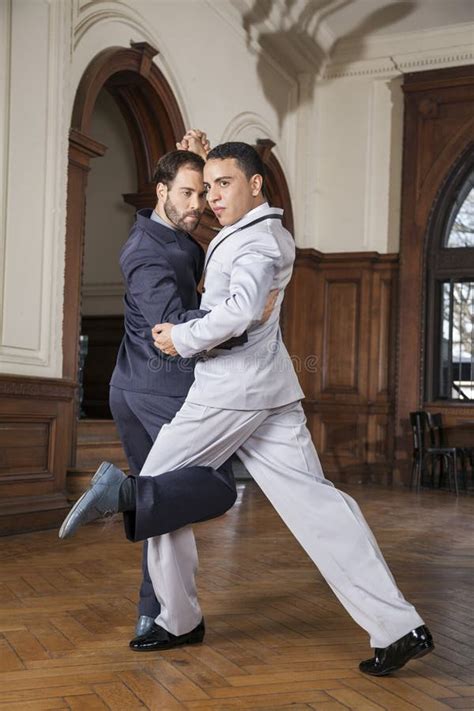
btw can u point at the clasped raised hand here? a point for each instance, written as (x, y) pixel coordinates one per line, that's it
(195, 141)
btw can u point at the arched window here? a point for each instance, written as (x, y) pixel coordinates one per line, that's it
(450, 291)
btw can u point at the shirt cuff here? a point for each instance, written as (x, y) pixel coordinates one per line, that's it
(178, 336)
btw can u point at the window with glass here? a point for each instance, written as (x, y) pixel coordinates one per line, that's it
(450, 292)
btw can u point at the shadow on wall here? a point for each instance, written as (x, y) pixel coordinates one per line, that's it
(300, 44)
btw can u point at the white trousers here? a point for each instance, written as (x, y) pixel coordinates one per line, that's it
(276, 448)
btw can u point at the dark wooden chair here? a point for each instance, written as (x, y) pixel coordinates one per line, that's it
(437, 438)
(429, 457)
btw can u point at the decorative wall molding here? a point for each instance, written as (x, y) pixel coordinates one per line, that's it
(102, 299)
(390, 55)
(94, 13)
(52, 388)
(440, 39)
(97, 290)
(56, 175)
(382, 162)
(245, 122)
(397, 65)
(314, 258)
(37, 350)
(5, 40)
(327, 57)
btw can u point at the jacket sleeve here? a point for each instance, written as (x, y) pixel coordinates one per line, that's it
(152, 284)
(251, 279)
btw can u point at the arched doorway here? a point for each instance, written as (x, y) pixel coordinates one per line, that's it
(152, 116)
(154, 122)
(107, 224)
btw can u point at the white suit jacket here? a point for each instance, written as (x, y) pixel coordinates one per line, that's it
(238, 277)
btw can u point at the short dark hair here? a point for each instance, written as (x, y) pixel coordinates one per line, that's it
(167, 167)
(246, 156)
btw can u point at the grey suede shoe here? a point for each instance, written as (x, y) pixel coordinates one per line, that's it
(100, 499)
(144, 625)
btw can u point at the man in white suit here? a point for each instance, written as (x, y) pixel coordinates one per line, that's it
(248, 401)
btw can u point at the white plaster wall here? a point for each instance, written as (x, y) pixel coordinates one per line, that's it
(358, 173)
(33, 163)
(5, 71)
(108, 217)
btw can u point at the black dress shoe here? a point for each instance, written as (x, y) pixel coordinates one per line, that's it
(144, 625)
(413, 645)
(159, 638)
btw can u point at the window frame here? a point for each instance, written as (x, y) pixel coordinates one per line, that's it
(444, 264)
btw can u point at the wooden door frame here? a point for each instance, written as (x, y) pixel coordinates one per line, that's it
(154, 121)
(425, 96)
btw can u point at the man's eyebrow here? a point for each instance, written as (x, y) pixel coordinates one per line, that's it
(217, 180)
(191, 189)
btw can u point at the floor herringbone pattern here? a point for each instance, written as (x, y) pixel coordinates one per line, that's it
(277, 638)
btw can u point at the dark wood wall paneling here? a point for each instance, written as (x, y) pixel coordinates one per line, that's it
(339, 328)
(104, 334)
(439, 128)
(35, 431)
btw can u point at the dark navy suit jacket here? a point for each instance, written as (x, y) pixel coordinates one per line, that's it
(161, 268)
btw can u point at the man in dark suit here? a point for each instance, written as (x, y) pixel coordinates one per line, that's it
(162, 265)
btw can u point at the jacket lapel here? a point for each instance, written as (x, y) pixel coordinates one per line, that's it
(258, 212)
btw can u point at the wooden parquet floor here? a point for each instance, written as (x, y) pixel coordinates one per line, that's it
(277, 638)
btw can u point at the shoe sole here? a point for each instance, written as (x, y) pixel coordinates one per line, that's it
(170, 645)
(98, 475)
(426, 649)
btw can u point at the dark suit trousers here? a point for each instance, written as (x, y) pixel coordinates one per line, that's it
(173, 499)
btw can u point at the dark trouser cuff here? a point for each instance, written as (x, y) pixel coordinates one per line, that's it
(178, 498)
(128, 495)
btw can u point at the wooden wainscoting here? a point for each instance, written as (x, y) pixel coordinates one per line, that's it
(339, 328)
(458, 421)
(35, 437)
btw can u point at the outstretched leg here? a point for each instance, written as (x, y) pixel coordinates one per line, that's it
(276, 448)
(329, 524)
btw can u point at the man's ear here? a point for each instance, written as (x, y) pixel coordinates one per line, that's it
(256, 182)
(161, 191)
